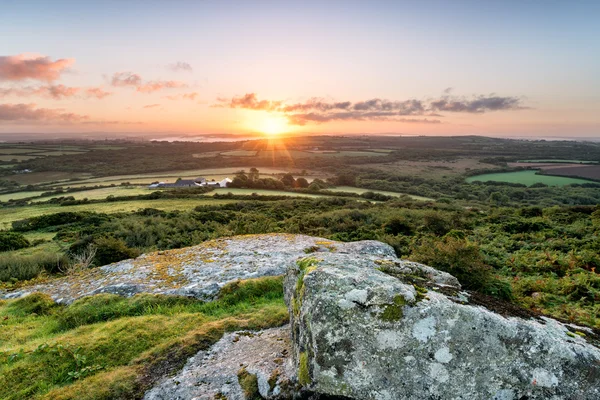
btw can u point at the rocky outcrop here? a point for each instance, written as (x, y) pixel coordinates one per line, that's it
(364, 325)
(400, 331)
(200, 271)
(238, 366)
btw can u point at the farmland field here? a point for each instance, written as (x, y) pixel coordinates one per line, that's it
(46, 177)
(350, 189)
(58, 153)
(305, 154)
(102, 193)
(589, 172)
(17, 157)
(262, 192)
(526, 178)
(10, 150)
(559, 161)
(10, 214)
(19, 195)
(239, 153)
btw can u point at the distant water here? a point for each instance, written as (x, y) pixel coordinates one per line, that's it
(205, 139)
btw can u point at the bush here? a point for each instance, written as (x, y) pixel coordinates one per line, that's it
(13, 241)
(110, 250)
(463, 260)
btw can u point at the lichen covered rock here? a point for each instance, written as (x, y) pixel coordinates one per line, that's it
(242, 365)
(403, 331)
(199, 271)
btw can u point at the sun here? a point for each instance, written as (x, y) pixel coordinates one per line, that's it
(273, 125)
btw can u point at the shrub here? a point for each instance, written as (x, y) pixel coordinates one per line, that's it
(110, 250)
(13, 241)
(398, 226)
(463, 260)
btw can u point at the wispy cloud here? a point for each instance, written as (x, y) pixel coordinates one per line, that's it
(29, 112)
(133, 80)
(124, 79)
(151, 106)
(318, 110)
(42, 68)
(184, 96)
(97, 92)
(56, 92)
(180, 66)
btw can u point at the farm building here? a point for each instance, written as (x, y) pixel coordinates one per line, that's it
(183, 183)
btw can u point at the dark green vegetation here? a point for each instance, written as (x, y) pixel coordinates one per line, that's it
(535, 245)
(544, 258)
(109, 347)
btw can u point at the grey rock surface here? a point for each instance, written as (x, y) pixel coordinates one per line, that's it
(200, 271)
(367, 334)
(213, 374)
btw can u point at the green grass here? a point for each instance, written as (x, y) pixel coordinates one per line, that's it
(98, 194)
(8, 215)
(560, 161)
(59, 153)
(99, 347)
(11, 150)
(239, 153)
(19, 195)
(304, 154)
(262, 192)
(17, 157)
(351, 189)
(528, 178)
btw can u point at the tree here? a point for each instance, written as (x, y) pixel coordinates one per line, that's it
(254, 175)
(345, 180)
(301, 183)
(288, 180)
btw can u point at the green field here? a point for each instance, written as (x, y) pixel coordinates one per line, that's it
(59, 153)
(16, 157)
(8, 215)
(528, 178)
(4, 150)
(356, 190)
(305, 154)
(97, 194)
(262, 192)
(239, 153)
(560, 161)
(19, 195)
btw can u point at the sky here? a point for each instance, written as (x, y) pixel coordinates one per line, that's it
(497, 68)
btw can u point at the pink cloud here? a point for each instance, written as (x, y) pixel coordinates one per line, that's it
(130, 79)
(56, 92)
(97, 92)
(154, 86)
(42, 68)
(123, 79)
(151, 105)
(29, 112)
(185, 96)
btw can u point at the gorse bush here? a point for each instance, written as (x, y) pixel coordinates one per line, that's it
(13, 241)
(462, 259)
